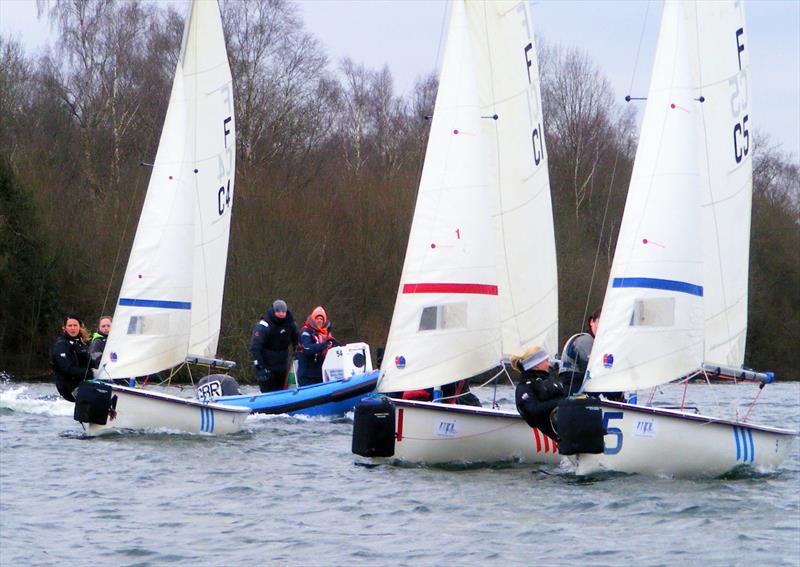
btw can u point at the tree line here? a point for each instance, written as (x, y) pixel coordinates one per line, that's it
(328, 163)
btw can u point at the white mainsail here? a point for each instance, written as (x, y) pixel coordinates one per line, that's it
(723, 60)
(206, 62)
(651, 330)
(479, 279)
(171, 294)
(519, 179)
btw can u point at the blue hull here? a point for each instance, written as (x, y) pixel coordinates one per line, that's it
(329, 398)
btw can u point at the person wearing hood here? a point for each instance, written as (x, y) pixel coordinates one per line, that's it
(99, 338)
(69, 358)
(315, 340)
(270, 342)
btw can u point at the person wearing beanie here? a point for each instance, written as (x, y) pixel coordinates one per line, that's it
(69, 358)
(316, 338)
(270, 342)
(538, 393)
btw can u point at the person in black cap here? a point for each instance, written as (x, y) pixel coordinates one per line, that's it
(270, 342)
(69, 358)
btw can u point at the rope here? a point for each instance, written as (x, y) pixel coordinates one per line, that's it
(119, 251)
(611, 184)
(639, 48)
(753, 403)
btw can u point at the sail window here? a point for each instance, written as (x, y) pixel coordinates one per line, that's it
(149, 325)
(653, 312)
(450, 316)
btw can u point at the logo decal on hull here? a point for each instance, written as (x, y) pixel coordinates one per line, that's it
(745, 447)
(446, 429)
(645, 428)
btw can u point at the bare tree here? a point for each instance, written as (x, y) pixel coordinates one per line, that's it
(101, 53)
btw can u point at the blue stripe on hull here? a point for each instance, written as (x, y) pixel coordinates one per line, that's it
(157, 303)
(744, 444)
(656, 283)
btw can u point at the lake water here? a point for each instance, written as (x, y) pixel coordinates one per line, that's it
(287, 491)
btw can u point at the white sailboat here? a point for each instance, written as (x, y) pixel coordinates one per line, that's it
(479, 278)
(672, 304)
(170, 303)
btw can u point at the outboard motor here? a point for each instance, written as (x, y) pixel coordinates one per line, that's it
(580, 426)
(94, 402)
(373, 428)
(215, 385)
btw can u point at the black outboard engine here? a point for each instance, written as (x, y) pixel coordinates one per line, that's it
(580, 426)
(94, 402)
(373, 428)
(215, 385)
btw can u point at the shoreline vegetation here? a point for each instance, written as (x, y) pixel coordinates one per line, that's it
(329, 160)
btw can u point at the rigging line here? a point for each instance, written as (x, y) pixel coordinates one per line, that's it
(611, 183)
(600, 236)
(136, 194)
(639, 48)
(717, 405)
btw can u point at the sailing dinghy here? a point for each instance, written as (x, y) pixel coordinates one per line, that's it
(170, 304)
(677, 293)
(479, 278)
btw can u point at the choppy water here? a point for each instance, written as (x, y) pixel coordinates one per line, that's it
(287, 491)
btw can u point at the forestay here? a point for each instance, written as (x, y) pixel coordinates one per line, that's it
(479, 279)
(171, 297)
(652, 326)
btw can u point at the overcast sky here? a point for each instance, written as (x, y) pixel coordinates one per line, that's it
(405, 35)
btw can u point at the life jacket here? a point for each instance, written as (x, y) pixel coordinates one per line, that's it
(569, 356)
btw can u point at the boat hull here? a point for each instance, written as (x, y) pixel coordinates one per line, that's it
(336, 397)
(141, 409)
(435, 433)
(678, 443)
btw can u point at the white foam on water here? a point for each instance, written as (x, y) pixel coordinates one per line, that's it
(19, 400)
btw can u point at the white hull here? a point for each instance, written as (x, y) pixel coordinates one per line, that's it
(677, 443)
(434, 433)
(141, 409)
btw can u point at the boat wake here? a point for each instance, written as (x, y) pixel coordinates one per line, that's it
(19, 399)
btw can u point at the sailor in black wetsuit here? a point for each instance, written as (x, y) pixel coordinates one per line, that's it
(270, 342)
(538, 394)
(70, 359)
